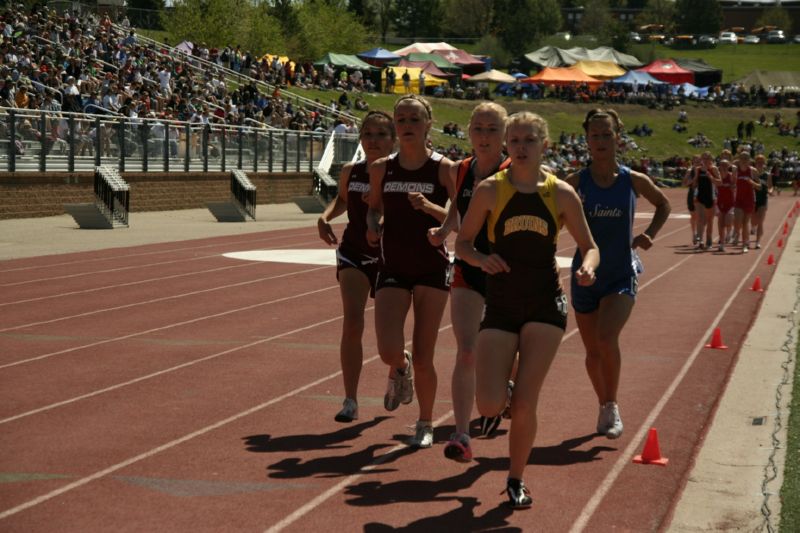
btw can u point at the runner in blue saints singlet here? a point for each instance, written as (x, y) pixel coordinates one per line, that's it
(609, 192)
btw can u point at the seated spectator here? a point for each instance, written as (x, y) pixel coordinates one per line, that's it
(361, 104)
(680, 128)
(344, 101)
(683, 117)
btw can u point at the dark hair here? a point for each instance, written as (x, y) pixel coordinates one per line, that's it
(599, 114)
(380, 116)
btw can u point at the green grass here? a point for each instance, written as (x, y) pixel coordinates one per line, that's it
(735, 60)
(714, 122)
(790, 492)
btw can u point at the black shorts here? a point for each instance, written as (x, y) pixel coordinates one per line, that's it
(690, 199)
(467, 276)
(511, 318)
(367, 264)
(438, 280)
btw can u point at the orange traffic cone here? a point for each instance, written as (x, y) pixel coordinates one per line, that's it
(651, 455)
(780, 243)
(716, 341)
(757, 285)
(771, 259)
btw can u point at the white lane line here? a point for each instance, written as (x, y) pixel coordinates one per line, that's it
(605, 486)
(157, 300)
(168, 326)
(313, 504)
(118, 466)
(128, 284)
(226, 243)
(166, 370)
(319, 500)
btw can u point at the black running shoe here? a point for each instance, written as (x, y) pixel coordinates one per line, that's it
(519, 497)
(489, 424)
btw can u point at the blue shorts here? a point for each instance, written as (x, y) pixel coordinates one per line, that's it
(587, 299)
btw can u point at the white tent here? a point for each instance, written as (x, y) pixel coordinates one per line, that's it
(493, 75)
(423, 48)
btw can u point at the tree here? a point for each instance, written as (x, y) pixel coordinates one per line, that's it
(383, 11)
(363, 11)
(597, 20)
(658, 12)
(778, 17)
(418, 18)
(521, 23)
(698, 16)
(478, 23)
(225, 22)
(145, 13)
(322, 28)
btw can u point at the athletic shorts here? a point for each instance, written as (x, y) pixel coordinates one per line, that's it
(361, 262)
(469, 277)
(587, 299)
(748, 206)
(438, 280)
(724, 206)
(705, 201)
(511, 317)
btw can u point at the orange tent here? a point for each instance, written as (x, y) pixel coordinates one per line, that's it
(563, 76)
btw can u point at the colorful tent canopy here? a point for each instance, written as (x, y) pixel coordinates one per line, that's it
(493, 76)
(704, 74)
(437, 60)
(377, 56)
(690, 90)
(669, 71)
(602, 70)
(635, 77)
(563, 76)
(343, 61)
(414, 75)
(460, 58)
(550, 56)
(427, 66)
(765, 78)
(423, 48)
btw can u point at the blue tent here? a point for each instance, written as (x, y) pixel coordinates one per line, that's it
(377, 56)
(639, 78)
(692, 91)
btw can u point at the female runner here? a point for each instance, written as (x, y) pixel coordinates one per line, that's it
(609, 191)
(356, 260)
(526, 309)
(468, 288)
(408, 194)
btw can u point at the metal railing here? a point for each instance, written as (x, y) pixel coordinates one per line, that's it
(41, 141)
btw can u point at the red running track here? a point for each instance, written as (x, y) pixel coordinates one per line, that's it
(167, 386)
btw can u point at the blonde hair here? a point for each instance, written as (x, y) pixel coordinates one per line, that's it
(490, 107)
(531, 119)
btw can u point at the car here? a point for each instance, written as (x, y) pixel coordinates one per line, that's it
(706, 41)
(635, 37)
(751, 39)
(796, 39)
(728, 37)
(776, 37)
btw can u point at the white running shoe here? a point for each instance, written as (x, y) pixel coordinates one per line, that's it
(423, 435)
(400, 388)
(609, 422)
(349, 411)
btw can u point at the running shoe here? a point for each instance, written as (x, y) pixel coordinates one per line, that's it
(721, 247)
(400, 388)
(609, 422)
(458, 448)
(758, 246)
(489, 424)
(423, 435)
(708, 244)
(745, 249)
(349, 411)
(519, 497)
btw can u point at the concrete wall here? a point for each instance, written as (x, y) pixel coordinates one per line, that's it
(29, 194)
